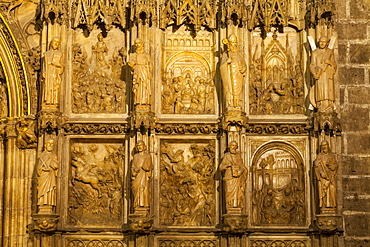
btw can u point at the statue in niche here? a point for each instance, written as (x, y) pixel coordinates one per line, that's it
(233, 71)
(100, 50)
(187, 185)
(326, 171)
(235, 174)
(323, 68)
(47, 169)
(142, 74)
(95, 188)
(26, 136)
(278, 190)
(141, 173)
(53, 69)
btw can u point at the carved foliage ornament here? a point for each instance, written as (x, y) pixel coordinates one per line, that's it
(90, 128)
(186, 128)
(192, 12)
(92, 12)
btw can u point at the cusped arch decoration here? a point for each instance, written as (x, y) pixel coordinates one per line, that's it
(278, 186)
(14, 72)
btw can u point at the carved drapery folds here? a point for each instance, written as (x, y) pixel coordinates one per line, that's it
(276, 80)
(95, 184)
(187, 186)
(278, 193)
(92, 12)
(192, 12)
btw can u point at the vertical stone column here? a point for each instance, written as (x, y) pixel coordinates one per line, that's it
(19, 165)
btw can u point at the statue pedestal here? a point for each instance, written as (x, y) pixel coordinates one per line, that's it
(140, 222)
(235, 223)
(45, 210)
(328, 223)
(45, 222)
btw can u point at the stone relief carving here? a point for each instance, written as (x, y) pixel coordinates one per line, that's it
(193, 13)
(186, 128)
(235, 175)
(233, 71)
(276, 81)
(323, 68)
(187, 187)
(188, 95)
(47, 225)
(187, 243)
(95, 184)
(96, 243)
(141, 173)
(90, 13)
(326, 168)
(278, 129)
(3, 100)
(273, 243)
(142, 74)
(90, 128)
(26, 137)
(278, 196)
(47, 171)
(97, 84)
(53, 68)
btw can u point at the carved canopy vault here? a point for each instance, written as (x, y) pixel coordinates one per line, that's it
(169, 123)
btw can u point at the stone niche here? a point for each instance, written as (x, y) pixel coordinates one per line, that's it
(187, 185)
(95, 183)
(279, 184)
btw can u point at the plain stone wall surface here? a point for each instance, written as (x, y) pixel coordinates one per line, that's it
(353, 28)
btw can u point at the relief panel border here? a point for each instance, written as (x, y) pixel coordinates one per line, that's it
(302, 146)
(89, 240)
(288, 241)
(68, 141)
(177, 240)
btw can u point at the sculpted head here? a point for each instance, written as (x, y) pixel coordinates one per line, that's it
(49, 145)
(324, 146)
(139, 44)
(54, 44)
(323, 42)
(100, 36)
(140, 146)
(233, 146)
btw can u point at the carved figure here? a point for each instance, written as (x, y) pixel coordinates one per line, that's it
(326, 171)
(323, 68)
(26, 136)
(142, 74)
(47, 169)
(141, 172)
(3, 101)
(100, 51)
(233, 70)
(53, 69)
(234, 176)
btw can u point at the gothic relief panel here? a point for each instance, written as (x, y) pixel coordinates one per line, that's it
(98, 84)
(278, 186)
(187, 83)
(276, 75)
(95, 183)
(187, 195)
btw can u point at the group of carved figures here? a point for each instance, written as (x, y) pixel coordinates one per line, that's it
(187, 185)
(188, 96)
(97, 85)
(187, 188)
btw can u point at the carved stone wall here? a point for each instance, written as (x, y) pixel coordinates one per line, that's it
(184, 123)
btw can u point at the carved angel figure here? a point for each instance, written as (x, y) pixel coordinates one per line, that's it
(323, 68)
(47, 178)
